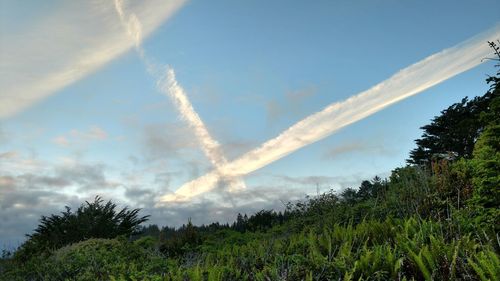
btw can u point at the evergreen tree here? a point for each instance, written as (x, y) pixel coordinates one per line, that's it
(454, 133)
(365, 190)
(349, 195)
(91, 220)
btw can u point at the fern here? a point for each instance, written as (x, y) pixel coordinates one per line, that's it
(486, 265)
(453, 264)
(421, 265)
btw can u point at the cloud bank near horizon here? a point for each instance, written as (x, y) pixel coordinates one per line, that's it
(74, 40)
(405, 83)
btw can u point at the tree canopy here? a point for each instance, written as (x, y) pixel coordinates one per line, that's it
(454, 133)
(91, 220)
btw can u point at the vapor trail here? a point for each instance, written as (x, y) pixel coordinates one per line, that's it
(55, 49)
(210, 147)
(134, 30)
(168, 85)
(405, 83)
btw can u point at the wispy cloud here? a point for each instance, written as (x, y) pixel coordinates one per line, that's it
(291, 104)
(405, 83)
(8, 155)
(166, 139)
(61, 140)
(357, 146)
(74, 40)
(74, 136)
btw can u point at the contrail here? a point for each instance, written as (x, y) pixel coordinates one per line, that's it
(405, 83)
(168, 85)
(210, 147)
(48, 53)
(134, 30)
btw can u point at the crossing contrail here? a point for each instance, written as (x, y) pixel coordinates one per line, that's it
(210, 147)
(167, 84)
(405, 83)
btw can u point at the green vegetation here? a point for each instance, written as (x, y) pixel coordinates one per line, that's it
(91, 220)
(435, 219)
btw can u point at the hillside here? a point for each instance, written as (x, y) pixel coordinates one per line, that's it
(438, 218)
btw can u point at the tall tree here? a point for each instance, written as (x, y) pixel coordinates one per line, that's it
(91, 220)
(454, 133)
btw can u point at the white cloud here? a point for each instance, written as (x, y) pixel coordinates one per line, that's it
(72, 41)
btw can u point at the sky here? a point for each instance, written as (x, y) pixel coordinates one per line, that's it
(203, 109)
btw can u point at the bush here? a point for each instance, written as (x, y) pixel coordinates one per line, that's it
(93, 259)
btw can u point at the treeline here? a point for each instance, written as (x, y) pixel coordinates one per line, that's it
(438, 218)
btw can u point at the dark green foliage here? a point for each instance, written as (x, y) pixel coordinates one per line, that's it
(181, 241)
(486, 165)
(486, 161)
(486, 178)
(263, 220)
(91, 220)
(93, 259)
(145, 231)
(349, 196)
(391, 249)
(452, 134)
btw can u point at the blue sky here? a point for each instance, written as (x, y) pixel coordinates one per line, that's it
(250, 69)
